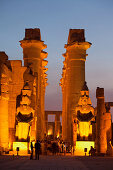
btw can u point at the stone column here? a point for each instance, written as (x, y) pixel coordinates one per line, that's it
(34, 56)
(74, 133)
(73, 77)
(57, 125)
(4, 131)
(4, 127)
(101, 139)
(108, 127)
(64, 115)
(46, 123)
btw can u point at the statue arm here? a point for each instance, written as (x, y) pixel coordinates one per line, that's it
(18, 110)
(92, 110)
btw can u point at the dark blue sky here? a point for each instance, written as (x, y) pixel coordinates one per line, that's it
(55, 18)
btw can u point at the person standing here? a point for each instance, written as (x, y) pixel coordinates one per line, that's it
(37, 149)
(31, 156)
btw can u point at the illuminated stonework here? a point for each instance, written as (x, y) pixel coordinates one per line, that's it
(84, 114)
(53, 128)
(25, 116)
(103, 124)
(83, 118)
(22, 115)
(73, 78)
(4, 97)
(80, 147)
(78, 116)
(34, 59)
(23, 148)
(15, 106)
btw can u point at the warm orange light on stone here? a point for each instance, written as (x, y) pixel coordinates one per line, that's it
(58, 135)
(23, 148)
(73, 78)
(84, 129)
(25, 115)
(12, 79)
(81, 145)
(22, 98)
(82, 122)
(50, 132)
(4, 98)
(34, 56)
(103, 125)
(4, 131)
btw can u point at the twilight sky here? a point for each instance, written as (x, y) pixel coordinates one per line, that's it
(55, 18)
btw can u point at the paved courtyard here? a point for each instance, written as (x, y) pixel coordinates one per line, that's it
(56, 163)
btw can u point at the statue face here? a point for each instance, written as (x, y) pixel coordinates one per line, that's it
(25, 100)
(24, 106)
(84, 100)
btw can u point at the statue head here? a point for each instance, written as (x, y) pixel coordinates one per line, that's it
(26, 93)
(26, 90)
(84, 99)
(25, 100)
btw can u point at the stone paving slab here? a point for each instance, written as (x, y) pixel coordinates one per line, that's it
(56, 163)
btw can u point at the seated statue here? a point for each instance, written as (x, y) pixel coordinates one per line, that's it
(84, 114)
(25, 115)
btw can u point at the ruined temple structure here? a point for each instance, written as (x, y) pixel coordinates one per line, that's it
(23, 118)
(83, 126)
(22, 92)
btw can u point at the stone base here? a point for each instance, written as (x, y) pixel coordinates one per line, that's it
(80, 147)
(23, 148)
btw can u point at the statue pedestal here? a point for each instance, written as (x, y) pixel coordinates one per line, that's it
(22, 148)
(80, 147)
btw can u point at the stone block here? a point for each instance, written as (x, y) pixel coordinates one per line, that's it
(76, 35)
(99, 92)
(3, 56)
(32, 34)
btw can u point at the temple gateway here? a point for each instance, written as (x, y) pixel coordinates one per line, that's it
(23, 118)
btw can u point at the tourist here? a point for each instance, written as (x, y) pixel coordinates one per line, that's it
(37, 149)
(31, 156)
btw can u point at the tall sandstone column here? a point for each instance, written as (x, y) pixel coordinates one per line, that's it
(103, 124)
(34, 56)
(73, 78)
(101, 143)
(57, 125)
(4, 97)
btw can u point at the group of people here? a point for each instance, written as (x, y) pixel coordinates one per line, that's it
(37, 150)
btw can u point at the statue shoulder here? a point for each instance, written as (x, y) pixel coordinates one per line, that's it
(92, 108)
(31, 110)
(19, 109)
(78, 108)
